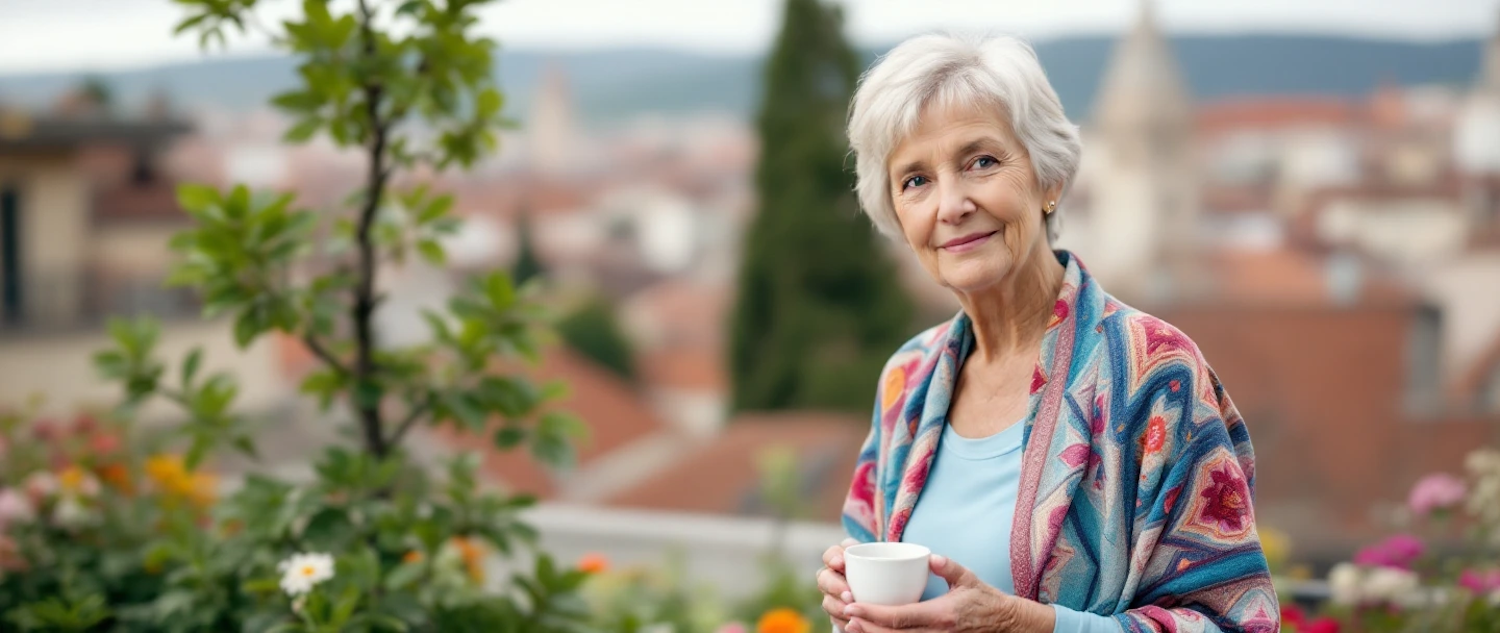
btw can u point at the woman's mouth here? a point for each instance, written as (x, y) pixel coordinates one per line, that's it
(968, 242)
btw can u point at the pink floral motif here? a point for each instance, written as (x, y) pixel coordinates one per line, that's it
(1398, 552)
(1228, 506)
(1438, 491)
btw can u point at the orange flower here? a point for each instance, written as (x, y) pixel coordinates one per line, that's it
(118, 477)
(593, 563)
(472, 552)
(413, 556)
(782, 620)
(167, 471)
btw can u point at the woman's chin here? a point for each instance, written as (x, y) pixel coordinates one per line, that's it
(974, 276)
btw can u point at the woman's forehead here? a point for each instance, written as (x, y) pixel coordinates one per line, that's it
(945, 128)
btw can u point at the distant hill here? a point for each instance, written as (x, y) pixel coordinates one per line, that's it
(613, 84)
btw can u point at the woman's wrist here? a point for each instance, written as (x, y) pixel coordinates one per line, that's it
(1027, 616)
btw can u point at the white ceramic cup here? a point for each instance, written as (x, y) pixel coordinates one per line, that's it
(886, 573)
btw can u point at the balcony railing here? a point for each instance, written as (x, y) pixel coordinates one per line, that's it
(61, 302)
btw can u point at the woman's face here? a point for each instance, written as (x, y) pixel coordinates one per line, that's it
(967, 198)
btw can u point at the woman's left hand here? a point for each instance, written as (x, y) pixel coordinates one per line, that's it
(970, 606)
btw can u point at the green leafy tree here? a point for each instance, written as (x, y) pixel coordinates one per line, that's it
(820, 307)
(407, 84)
(593, 330)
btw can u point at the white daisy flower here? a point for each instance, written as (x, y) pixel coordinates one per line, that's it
(301, 572)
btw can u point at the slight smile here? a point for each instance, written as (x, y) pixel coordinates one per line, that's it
(968, 242)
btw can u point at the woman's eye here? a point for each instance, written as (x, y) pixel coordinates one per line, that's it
(985, 161)
(914, 181)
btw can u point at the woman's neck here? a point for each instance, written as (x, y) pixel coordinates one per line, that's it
(1012, 316)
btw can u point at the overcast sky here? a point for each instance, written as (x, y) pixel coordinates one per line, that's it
(47, 35)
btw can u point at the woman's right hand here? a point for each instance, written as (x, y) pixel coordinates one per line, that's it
(833, 585)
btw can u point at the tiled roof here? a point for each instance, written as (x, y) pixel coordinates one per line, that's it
(1275, 113)
(722, 476)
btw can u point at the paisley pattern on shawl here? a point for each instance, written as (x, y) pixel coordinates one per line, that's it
(1137, 475)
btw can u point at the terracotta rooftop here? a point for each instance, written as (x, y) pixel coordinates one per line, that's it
(723, 477)
(1275, 113)
(614, 412)
(685, 369)
(1285, 276)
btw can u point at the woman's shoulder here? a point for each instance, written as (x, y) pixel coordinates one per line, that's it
(1146, 339)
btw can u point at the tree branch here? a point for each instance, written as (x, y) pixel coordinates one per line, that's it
(415, 414)
(363, 310)
(317, 348)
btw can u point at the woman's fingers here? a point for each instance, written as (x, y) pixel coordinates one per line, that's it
(832, 583)
(835, 608)
(833, 558)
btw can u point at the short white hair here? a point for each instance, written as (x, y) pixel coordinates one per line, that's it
(995, 72)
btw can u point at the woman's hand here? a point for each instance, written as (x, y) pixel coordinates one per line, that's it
(970, 606)
(833, 585)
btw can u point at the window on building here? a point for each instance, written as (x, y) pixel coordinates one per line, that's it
(1424, 362)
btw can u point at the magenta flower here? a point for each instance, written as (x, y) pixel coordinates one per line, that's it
(1438, 491)
(1480, 582)
(1398, 552)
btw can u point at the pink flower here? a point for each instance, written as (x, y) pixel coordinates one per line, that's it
(84, 424)
(14, 508)
(46, 431)
(732, 627)
(1320, 625)
(1438, 491)
(1480, 582)
(104, 444)
(1397, 552)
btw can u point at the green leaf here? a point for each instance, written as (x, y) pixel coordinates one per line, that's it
(509, 437)
(298, 101)
(565, 425)
(190, 366)
(498, 289)
(329, 529)
(488, 103)
(194, 197)
(303, 130)
(249, 324)
(367, 394)
(197, 450)
(436, 208)
(432, 252)
(410, 7)
(246, 445)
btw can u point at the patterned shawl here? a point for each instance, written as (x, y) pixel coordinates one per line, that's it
(1137, 472)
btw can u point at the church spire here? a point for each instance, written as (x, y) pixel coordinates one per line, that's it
(1142, 87)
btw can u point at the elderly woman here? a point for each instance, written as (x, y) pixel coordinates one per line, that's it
(1072, 462)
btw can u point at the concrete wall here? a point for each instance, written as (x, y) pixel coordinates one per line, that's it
(722, 551)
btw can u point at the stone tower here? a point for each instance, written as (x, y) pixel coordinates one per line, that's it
(1144, 195)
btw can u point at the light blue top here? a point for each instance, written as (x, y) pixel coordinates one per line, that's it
(966, 510)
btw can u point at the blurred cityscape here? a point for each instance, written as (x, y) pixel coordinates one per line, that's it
(1335, 254)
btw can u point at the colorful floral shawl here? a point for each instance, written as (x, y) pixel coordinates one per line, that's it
(1136, 477)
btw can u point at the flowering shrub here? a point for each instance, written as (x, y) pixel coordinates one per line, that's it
(659, 600)
(1403, 584)
(78, 505)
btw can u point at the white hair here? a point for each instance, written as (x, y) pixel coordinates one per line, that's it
(995, 72)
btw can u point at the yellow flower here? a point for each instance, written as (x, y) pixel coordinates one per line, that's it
(174, 479)
(77, 481)
(782, 621)
(1277, 547)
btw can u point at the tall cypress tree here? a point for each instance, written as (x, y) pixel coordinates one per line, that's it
(527, 263)
(820, 306)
